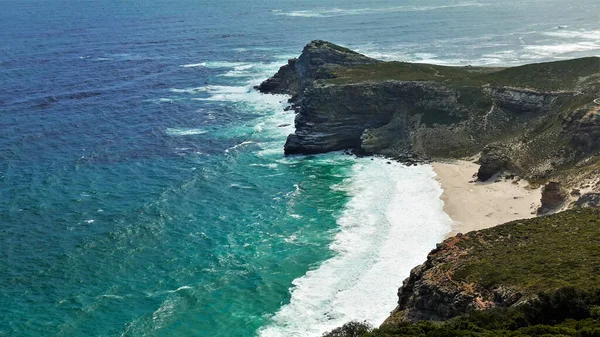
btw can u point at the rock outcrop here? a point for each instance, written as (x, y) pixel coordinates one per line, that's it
(588, 200)
(431, 293)
(316, 62)
(284, 82)
(495, 158)
(536, 121)
(554, 197)
(502, 266)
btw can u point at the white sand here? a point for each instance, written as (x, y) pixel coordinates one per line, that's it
(478, 205)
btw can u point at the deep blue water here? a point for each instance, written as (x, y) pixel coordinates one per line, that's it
(143, 186)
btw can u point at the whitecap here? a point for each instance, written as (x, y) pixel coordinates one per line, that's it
(194, 65)
(576, 34)
(189, 90)
(184, 131)
(248, 142)
(240, 186)
(112, 296)
(334, 12)
(271, 165)
(165, 100)
(564, 48)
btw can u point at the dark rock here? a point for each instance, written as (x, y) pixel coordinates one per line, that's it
(430, 293)
(318, 55)
(495, 158)
(315, 62)
(575, 192)
(285, 81)
(588, 200)
(283, 125)
(584, 126)
(553, 197)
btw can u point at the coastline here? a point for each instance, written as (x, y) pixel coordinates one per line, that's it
(474, 205)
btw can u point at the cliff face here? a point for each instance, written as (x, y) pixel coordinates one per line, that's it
(543, 115)
(502, 266)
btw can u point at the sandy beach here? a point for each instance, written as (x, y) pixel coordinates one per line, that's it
(477, 205)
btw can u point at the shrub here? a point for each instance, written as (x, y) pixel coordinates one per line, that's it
(350, 329)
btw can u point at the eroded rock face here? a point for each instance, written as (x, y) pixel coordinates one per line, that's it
(522, 100)
(584, 125)
(588, 200)
(334, 117)
(430, 293)
(553, 197)
(494, 158)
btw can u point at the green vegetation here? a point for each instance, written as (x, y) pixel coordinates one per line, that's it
(321, 43)
(536, 254)
(549, 76)
(403, 71)
(558, 75)
(565, 312)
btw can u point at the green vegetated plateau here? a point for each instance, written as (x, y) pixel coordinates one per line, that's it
(548, 76)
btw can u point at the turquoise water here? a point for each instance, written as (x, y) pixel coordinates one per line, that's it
(143, 184)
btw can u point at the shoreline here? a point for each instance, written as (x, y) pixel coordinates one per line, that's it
(474, 205)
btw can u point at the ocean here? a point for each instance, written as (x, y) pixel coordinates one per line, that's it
(143, 186)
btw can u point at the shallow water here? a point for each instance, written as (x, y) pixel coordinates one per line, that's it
(143, 184)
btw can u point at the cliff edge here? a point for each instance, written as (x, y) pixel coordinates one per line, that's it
(503, 266)
(538, 121)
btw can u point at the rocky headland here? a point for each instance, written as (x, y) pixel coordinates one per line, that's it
(537, 123)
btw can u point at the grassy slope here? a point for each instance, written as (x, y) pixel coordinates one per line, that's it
(558, 75)
(537, 254)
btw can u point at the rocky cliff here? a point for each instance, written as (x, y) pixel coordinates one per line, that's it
(503, 266)
(538, 121)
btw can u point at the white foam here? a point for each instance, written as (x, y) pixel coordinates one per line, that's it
(564, 48)
(194, 65)
(576, 34)
(216, 64)
(333, 12)
(240, 71)
(393, 219)
(248, 142)
(271, 165)
(226, 64)
(244, 94)
(165, 100)
(184, 131)
(181, 288)
(189, 90)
